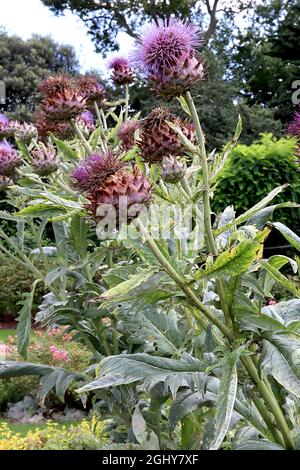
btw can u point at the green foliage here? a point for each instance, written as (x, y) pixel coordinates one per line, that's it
(87, 435)
(15, 281)
(24, 64)
(253, 171)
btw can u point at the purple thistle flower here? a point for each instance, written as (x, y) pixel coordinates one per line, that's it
(9, 159)
(23, 131)
(166, 54)
(5, 129)
(294, 126)
(86, 119)
(90, 175)
(118, 62)
(45, 160)
(126, 134)
(122, 73)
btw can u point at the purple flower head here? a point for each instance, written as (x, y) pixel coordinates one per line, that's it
(9, 159)
(5, 129)
(87, 121)
(118, 62)
(165, 46)
(122, 72)
(294, 126)
(166, 54)
(45, 160)
(126, 134)
(94, 171)
(25, 132)
(4, 121)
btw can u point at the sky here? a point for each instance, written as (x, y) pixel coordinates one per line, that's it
(27, 17)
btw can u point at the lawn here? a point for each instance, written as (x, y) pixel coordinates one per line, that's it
(4, 334)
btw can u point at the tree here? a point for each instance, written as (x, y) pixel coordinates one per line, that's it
(104, 19)
(266, 57)
(26, 63)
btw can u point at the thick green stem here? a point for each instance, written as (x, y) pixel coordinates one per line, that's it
(126, 102)
(270, 400)
(184, 287)
(268, 419)
(205, 174)
(81, 137)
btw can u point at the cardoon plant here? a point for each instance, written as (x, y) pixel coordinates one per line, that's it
(194, 351)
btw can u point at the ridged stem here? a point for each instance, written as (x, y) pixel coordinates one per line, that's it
(81, 137)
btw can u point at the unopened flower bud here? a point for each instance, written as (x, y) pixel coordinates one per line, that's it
(172, 170)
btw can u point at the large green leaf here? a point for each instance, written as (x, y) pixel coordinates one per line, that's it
(225, 401)
(51, 376)
(125, 369)
(288, 234)
(279, 277)
(156, 328)
(24, 320)
(258, 444)
(232, 262)
(281, 360)
(249, 213)
(287, 312)
(261, 322)
(117, 292)
(186, 402)
(263, 216)
(17, 369)
(78, 235)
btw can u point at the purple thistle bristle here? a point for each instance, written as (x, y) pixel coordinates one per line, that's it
(118, 62)
(165, 45)
(90, 175)
(86, 119)
(5, 127)
(122, 72)
(9, 159)
(294, 127)
(4, 121)
(166, 53)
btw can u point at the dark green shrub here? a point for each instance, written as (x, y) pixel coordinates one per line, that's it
(15, 280)
(251, 172)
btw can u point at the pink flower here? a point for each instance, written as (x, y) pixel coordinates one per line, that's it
(4, 348)
(59, 354)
